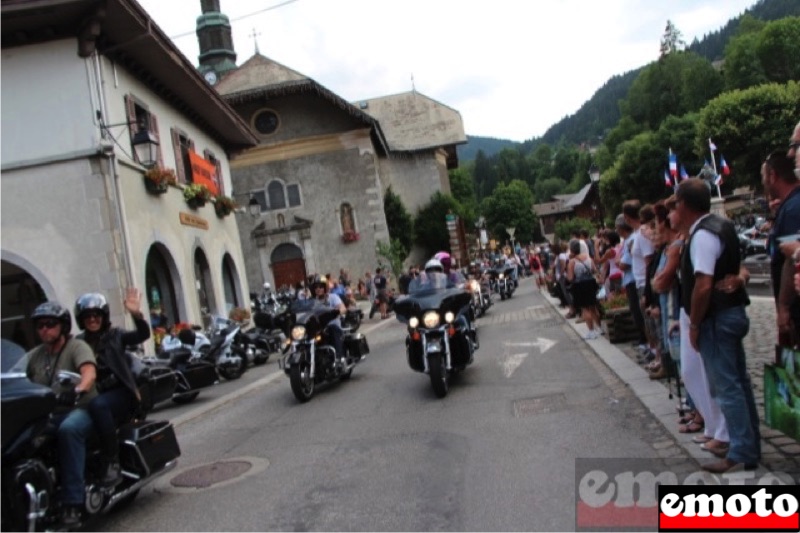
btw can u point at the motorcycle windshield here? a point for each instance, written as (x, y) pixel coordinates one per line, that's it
(428, 282)
(12, 358)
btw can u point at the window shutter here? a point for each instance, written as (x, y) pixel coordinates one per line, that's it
(220, 181)
(130, 109)
(154, 131)
(176, 147)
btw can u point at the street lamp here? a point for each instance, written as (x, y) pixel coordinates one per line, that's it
(594, 173)
(145, 146)
(510, 232)
(254, 207)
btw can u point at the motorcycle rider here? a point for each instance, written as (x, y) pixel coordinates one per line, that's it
(320, 290)
(465, 317)
(61, 351)
(118, 395)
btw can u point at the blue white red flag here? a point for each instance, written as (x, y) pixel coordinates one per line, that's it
(673, 164)
(725, 168)
(667, 181)
(712, 145)
(684, 174)
(718, 180)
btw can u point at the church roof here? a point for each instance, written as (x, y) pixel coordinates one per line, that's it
(257, 73)
(412, 121)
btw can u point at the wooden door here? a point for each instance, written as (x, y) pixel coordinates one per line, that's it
(289, 272)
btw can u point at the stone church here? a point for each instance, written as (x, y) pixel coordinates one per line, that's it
(323, 163)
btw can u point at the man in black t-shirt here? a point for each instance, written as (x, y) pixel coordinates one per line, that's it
(380, 282)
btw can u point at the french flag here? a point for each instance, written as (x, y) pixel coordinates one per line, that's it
(667, 181)
(673, 164)
(722, 163)
(711, 145)
(684, 174)
(718, 180)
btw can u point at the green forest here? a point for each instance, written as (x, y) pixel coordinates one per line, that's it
(738, 86)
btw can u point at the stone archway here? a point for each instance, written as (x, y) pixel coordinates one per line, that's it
(162, 284)
(288, 265)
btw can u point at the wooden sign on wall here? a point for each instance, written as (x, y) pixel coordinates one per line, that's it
(188, 219)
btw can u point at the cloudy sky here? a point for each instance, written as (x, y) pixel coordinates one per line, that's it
(512, 68)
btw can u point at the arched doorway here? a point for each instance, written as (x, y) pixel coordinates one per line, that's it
(288, 265)
(20, 294)
(203, 283)
(230, 283)
(160, 283)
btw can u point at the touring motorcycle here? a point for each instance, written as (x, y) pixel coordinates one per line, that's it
(310, 357)
(502, 281)
(30, 472)
(481, 299)
(442, 338)
(192, 373)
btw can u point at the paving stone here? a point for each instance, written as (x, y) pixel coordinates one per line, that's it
(662, 444)
(781, 441)
(793, 449)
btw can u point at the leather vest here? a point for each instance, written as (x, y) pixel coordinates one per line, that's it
(728, 263)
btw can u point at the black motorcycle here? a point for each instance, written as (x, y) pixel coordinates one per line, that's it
(441, 337)
(30, 472)
(481, 298)
(311, 359)
(192, 373)
(501, 279)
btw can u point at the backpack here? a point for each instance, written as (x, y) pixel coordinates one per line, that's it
(586, 273)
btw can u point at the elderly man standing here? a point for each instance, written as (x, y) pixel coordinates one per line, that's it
(718, 321)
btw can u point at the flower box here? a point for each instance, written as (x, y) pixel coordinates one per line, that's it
(349, 236)
(196, 196)
(620, 326)
(158, 180)
(224, 205)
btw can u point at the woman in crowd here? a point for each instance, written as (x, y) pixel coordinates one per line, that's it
(581, 272)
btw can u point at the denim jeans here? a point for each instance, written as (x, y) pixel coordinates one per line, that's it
(721, 349)
(107, 410)
(72, 433)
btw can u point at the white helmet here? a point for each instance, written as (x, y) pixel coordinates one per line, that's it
(267, 286)
(434, 264)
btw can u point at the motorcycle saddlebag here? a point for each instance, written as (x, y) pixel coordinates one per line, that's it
(200, 374)
(156, 384)
(356, 345)
(151, 441)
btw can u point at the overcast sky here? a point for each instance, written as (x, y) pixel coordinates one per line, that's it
(512, 68)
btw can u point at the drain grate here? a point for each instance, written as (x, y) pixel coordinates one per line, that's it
(538, 406)
(204, 476)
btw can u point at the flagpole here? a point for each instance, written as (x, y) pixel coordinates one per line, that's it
(714, 164)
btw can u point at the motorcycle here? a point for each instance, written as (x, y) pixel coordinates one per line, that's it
(30, 472)
(192, 373)
(263, 340)
(441, 337)
(311, 359)
(502, 281)
(481, 299)
(218, 347)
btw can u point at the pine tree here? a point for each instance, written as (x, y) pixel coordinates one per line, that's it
(672, 41)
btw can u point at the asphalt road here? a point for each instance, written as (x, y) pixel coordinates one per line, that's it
(381, 453)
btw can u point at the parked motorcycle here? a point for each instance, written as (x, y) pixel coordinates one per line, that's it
(192, 371)
(217, 346)
(311, 359)
(30, 471)
(263, 340)
(441, 337)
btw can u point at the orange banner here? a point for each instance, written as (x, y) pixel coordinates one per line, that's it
(204, 173)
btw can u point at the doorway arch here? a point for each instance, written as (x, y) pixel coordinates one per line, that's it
(21, 294)
(288, 265)
(204, 283)
(230, 283)
(162, 283)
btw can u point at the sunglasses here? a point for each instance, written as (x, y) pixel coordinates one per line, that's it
(46, 324)
(92, 314)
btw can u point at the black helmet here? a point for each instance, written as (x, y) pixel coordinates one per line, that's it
(92, 301)
(54, 310)
(319, 281)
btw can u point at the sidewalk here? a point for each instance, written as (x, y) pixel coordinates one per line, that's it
(779, 452)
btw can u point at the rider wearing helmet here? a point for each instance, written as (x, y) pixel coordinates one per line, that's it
(60, 351)
(116, 384)
(319, 289)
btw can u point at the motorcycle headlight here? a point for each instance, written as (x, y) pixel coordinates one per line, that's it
(413, 322)
(501, 276)
(431, 319)
(449, 317)
(298, 332)
(474, 286)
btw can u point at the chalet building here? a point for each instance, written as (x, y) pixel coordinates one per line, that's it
(583, 204)
(78, 214)
(322, 164)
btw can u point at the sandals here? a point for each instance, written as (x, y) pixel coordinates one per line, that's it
(692, 427)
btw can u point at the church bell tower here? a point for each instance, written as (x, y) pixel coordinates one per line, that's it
(217, 56)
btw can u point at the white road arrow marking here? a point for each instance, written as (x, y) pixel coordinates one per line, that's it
(510, 362)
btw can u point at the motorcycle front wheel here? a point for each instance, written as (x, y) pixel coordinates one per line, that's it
(440, 378)
(301, 381)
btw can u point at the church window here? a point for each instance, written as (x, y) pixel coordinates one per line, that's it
(266, 121)
(293, 192)
(347, 219)
(275, 192)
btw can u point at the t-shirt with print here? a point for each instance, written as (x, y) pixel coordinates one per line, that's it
(75, 354)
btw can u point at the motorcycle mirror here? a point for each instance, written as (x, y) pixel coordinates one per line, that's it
(66, 378)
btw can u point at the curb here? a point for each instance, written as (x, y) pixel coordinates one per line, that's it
(652, 393)
(247, 389)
